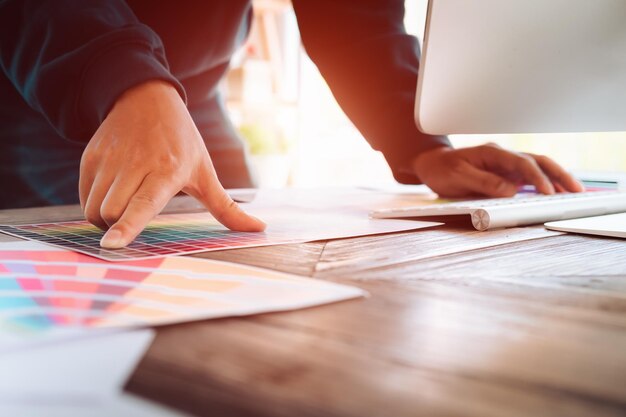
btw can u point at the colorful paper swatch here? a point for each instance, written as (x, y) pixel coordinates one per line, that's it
(165, 235)
(180, 234)
(43, 289)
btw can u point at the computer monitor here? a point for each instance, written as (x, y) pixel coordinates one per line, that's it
(523, 66)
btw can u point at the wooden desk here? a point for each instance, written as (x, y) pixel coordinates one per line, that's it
(459, 323)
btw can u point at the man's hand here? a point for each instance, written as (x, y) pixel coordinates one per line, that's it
(489, 170)
(145, 151)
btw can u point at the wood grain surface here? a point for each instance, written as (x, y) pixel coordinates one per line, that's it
(516, 322)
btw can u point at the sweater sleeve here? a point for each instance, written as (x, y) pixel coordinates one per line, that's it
(370, 63)
(71, 60)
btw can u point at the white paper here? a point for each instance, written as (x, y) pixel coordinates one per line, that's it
(123, 405)
(340, 200)
(81, 371)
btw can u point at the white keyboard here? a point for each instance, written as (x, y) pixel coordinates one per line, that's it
(520, 210)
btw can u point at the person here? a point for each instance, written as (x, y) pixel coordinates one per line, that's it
(114, 104)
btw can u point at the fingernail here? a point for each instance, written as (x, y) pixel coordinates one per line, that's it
(112, 239)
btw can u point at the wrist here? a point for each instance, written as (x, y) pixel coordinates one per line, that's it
(152, 92)
(421, 160)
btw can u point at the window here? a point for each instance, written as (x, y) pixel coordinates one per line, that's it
(299, 136)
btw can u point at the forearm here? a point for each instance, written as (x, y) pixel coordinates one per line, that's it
(371, 64)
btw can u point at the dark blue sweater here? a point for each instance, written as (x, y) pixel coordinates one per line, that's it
(65, 62)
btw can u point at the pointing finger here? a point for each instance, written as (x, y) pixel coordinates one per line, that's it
(147, 202)
(513, 163)
(557, 174)
(120, 193)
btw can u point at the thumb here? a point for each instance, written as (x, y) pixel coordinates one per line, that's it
(211, 194)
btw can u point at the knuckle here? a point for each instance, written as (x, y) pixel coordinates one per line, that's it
(93, 216)
(539, 158)
(456, 165)
(530, 162)
(170, 164)
(167, 179)
(526, 161)
(145, 200)
(500, 186)
(489, 151)
(134, 164)
(92, 219)
(88, 159)
(490, 183)
(171, 177)
(107, 152)
(110, 214)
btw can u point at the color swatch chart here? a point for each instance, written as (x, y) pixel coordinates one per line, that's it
(180, 234)
(173, 234)
(43, 289)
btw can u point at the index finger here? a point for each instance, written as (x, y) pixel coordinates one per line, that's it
(524, 165)
(152, 195)
(558, 174)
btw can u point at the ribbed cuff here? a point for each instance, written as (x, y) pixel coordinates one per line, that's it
(114, 71)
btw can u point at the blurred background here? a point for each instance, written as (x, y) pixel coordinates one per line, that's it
(297, 134)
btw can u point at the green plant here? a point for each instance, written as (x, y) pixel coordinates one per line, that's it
(262, 140)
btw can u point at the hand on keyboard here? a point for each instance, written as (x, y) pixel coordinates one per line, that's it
(490, 170)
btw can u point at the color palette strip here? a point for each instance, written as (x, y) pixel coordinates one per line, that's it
(174, 234)
(43, 289)
(181, 234)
